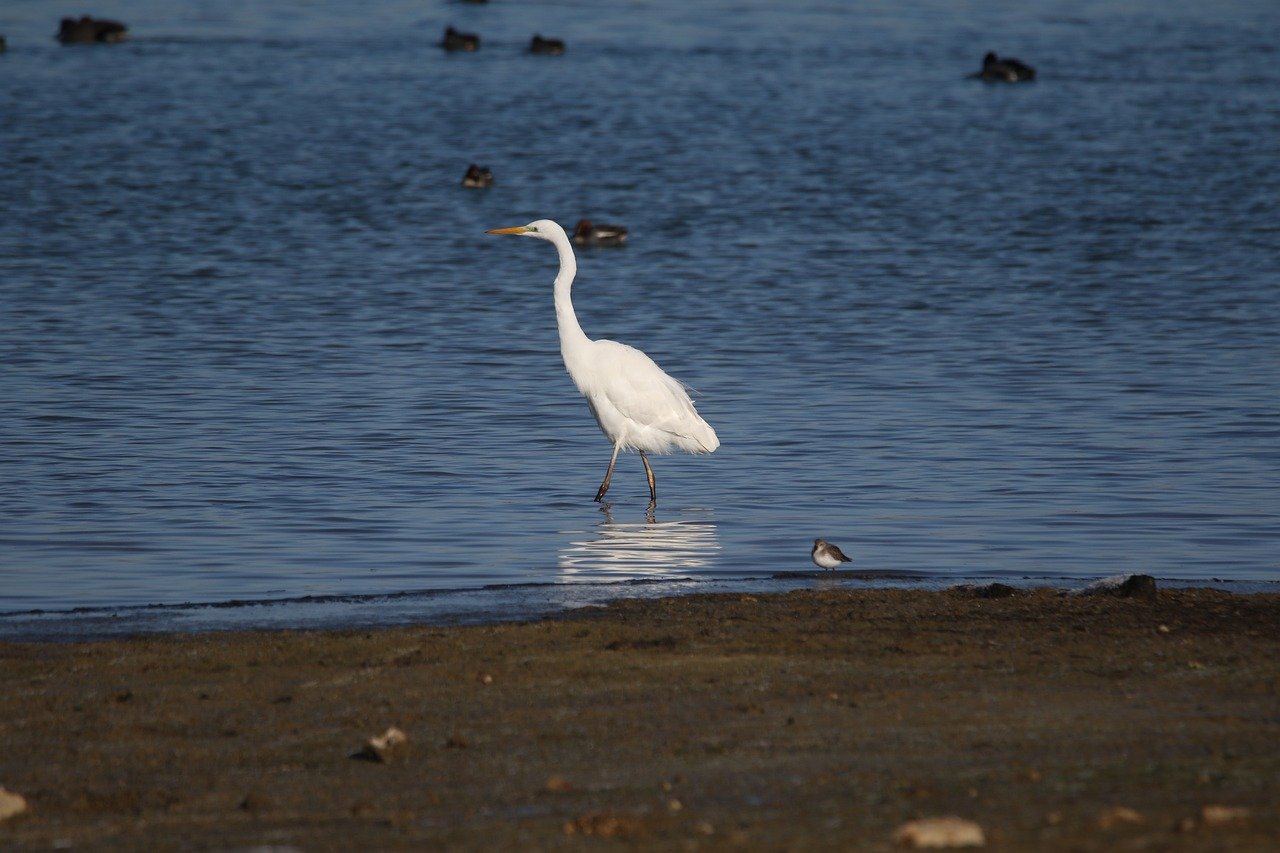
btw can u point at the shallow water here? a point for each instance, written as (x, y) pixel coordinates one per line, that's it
(257, 346)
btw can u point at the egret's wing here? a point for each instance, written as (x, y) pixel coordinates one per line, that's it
(634, 384)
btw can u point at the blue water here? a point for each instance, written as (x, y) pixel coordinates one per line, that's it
(255, 345)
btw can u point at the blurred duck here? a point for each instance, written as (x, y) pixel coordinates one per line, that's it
(549, 47)
(586, 234)
(454, 40)
(477, 177)
(1007, 70)
(86, 30)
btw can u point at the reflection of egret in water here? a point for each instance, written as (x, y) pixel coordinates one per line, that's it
(650, 549)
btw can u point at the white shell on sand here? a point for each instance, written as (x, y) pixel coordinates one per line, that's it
(379, 746)
(11, 804)
(939, 832)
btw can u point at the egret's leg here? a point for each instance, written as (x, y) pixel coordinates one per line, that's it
(608, 475)
(653, 491)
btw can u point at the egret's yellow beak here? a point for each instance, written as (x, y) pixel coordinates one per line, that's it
(519, 229)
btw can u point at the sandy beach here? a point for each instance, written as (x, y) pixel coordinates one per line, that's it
(820, 719)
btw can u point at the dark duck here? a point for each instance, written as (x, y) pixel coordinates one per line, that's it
(587, 234)
(454, 40)
(547, 47)
(87, 30)
(1006, 70)
(477, 177)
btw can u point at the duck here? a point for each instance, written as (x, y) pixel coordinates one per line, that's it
(454, 40)
(477, 177)
(87, 30)
(586, 234)
(547, 47)
(1007, 70)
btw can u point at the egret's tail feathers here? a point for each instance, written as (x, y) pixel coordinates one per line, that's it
(702, 440)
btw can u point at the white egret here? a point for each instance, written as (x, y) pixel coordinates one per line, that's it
(636, 404)
(827, 556)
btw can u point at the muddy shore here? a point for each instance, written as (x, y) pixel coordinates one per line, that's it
(819, 719)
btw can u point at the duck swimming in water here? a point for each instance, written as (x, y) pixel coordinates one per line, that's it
(1007, 70)
(547, 47)
(586, 234)
(86, 30)
(454, 40)
(477, 177)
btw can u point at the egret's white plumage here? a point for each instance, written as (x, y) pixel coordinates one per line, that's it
(636, 404)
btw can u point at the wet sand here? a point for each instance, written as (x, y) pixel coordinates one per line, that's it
(810, 720)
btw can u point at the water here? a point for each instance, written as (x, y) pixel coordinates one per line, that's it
(257, 347)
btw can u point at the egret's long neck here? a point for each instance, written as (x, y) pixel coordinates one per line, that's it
(572, 338)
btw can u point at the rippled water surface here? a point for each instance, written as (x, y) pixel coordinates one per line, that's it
(255, 343)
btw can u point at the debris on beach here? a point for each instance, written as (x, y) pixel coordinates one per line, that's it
(986, 590)
(255, 803)
(1220, 815)
(381, 747)
(605, 825)
(11, 804)
(557, 784)
(1121, 586)
(940, 832)
(1118, 815)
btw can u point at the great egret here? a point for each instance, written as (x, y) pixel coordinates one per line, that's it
(587, 234)
(827, 556)
(636, 405)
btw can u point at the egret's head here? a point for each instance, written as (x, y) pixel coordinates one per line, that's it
(543, 229)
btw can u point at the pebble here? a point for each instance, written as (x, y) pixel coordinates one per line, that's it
(1219, 815)
(604, 825)
(559, 785)
(1118, 815)
(940, 832)
(379, 748)
(1122, 586)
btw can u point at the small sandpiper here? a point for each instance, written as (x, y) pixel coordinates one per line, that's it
(827, 556)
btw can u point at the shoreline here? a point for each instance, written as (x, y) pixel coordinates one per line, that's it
(816, 719)
(489, 604)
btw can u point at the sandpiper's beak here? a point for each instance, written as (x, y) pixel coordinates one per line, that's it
(519, 229)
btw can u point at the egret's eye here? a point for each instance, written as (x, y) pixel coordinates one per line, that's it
(533, 227)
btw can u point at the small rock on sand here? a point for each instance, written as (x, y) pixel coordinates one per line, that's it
(1220, 815)
(557, 784)
(940, 832)
(987, 590)
(605, 825)
(11, 804)
(1118, 815)
(1122, 586)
